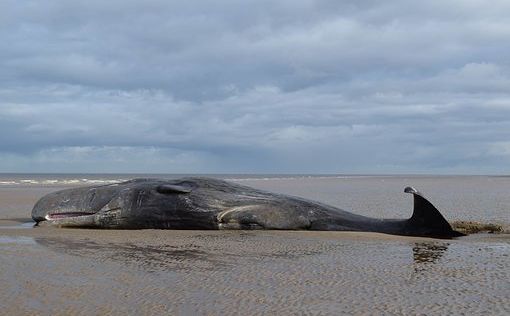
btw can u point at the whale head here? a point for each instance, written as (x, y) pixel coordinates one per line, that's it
(136, 203)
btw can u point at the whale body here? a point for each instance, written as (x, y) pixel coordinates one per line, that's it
(207, 203)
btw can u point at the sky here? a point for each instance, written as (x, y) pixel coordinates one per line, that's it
(292, 86)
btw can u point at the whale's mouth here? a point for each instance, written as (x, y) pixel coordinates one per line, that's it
(56, 216)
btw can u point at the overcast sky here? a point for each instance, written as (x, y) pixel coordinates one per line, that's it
(257, 86)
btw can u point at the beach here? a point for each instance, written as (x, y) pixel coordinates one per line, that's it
(55, 271)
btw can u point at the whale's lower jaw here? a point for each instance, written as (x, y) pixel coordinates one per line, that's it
(56, 216)
(69, 219)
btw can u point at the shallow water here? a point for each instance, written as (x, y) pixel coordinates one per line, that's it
(17, 240)
(77, 271)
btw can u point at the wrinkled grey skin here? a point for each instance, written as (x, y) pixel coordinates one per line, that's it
(205, 203)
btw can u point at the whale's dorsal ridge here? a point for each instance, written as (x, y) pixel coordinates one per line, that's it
(172, 188)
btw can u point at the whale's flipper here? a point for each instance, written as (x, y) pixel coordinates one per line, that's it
(170, 188)
(427, 219)
(261, 217)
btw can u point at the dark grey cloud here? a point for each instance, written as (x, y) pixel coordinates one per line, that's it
(255, 86)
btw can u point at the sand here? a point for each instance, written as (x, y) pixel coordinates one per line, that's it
(62, 271)
(52, 271)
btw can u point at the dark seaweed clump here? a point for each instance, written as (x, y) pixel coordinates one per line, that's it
(469, 227)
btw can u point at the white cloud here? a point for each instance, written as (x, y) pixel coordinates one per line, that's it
(500, 149)
(257, 86)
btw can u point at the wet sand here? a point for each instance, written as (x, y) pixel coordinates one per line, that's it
(55, 271)
(64, 271)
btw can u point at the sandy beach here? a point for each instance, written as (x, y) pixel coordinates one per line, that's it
(49, 271)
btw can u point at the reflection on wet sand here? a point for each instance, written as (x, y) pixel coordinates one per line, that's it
(16, 240)
(148, 257)
(428, 252)
(204, 254)
(16, 223)
(207, 252)
(426, 255)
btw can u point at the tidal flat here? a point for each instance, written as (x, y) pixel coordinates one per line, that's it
(46, 270)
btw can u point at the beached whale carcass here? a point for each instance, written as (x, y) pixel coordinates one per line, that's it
(206, 203)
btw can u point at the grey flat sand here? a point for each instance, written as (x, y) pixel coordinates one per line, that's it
(69, 271)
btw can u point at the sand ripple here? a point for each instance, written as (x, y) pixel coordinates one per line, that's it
(231, 273)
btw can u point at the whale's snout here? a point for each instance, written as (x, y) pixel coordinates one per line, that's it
(73, 207)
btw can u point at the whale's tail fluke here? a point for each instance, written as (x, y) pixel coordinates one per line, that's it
(427, 220)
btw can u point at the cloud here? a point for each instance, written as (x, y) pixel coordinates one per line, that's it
(258, 86)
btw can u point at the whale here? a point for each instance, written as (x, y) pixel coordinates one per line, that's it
(201, 203)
